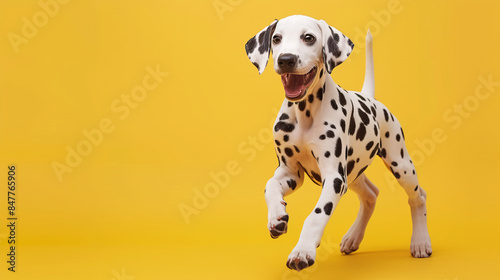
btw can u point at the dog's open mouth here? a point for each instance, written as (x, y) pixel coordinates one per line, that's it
(296, 85)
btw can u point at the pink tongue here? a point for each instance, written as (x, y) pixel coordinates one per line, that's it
(294, 85)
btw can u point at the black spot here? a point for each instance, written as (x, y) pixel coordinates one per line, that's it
(352, 124)
(283, 159)
(316, 176)
(357, 160)
(302, 105)
(386, 116)
(361, 132)
(338, 147)
(374, 112)
(321, 73)
(279, 150)
(342, 125)
(310, 98)
(322, 137)
(361, 171)
(351, 44)
(344, 111)
(286, 137)
(319, 93)
(342, 100)
(277, 142)
(331, 63)
(317, 210)
(375, 129)
(330, 134)
(392, 116)
(375, 150)
(333, 48)
(398, 137)
(333, 126)
(350, 166)
(402, 133)
(290, 104)
(312, 153)
(334, 104)
(250, 45)
(341, 169)
(396, 174)
(284, 116)
(364, 117)
(288, 152)
(256, 64)
(327, 154)
(387, 134)
(296, 149)
(360, 96)
(292, 184)
(261, 37)
(286, 127)
(350, 151)
(328, 208)
(265, 39)
(308, 114)
(413, 172)
(337, 185)
(325, 123)
(369, 145)
(383, 153)
(394, 163)
(402, 154)
(365, 108)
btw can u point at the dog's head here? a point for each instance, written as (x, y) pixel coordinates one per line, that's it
(302, 47)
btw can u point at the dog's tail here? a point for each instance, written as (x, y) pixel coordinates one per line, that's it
(369, 83)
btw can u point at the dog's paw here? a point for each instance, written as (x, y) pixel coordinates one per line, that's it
(350, 241)
(278, 226)
(301, 257)
(421, 246)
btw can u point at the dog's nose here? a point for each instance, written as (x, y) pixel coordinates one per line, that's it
(287, 61)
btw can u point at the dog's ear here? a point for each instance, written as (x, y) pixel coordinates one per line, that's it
(259, 46)
(336, 46)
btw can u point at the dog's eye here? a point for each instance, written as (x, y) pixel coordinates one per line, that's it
(309, 39)
(276, 39)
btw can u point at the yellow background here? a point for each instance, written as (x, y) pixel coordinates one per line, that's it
(116, 215)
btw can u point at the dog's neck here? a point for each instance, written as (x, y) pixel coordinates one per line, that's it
(305, 111)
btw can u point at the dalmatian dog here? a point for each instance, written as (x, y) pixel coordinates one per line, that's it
(330, 134)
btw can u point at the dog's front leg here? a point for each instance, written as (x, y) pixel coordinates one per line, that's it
(304, 253)
(285, 181)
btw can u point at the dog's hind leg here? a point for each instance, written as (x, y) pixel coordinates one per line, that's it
(395, 156)
(367, 193)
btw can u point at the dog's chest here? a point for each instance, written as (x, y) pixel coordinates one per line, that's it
(341, 137)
